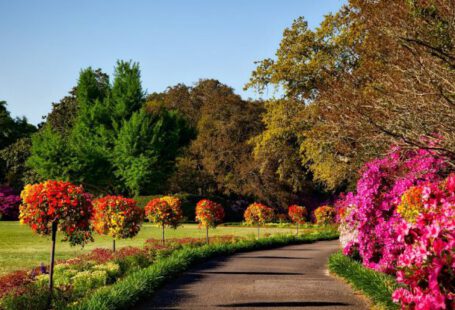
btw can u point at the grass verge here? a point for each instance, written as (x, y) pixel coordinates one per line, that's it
(378, 287)
(21, 248)
(143, 283)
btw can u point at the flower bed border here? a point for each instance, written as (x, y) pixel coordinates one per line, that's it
(376, 286)
(145, 282)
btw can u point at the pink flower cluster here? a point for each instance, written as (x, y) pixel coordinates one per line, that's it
(372, 208)
(401, 221)
(427, 262)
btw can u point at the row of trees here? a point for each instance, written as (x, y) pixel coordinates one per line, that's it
(57, 205)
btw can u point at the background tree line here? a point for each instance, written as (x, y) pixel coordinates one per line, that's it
(373, 74)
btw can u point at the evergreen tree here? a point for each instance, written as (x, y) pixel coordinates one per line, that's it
(146, 148)
(113, 145)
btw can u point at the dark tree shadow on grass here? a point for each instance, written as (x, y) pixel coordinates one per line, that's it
(284, 304)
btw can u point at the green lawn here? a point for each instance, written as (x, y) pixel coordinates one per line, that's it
(20, 248)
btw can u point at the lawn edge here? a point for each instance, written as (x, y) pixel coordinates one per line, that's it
(375, 286)
(144, 283)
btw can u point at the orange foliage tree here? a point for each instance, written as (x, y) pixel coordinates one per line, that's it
(258, 214)
(165, 211)
(209, 214)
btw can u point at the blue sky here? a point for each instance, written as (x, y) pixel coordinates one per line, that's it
(46, 43)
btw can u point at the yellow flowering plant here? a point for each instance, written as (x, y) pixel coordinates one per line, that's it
(117, 217)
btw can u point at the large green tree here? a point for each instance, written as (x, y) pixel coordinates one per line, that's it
(11, 131)
(111, 144)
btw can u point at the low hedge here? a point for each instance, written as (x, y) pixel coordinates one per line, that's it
(143, 283)
(378, 287)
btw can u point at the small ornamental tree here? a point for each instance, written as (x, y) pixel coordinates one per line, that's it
(298, 215)
(325, 215)
(258, 214)
(209, 214)
(54, 205)
(117, 217)
(165, 211)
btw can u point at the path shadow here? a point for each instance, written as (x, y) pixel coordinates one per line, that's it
(267, 273)
(273, 257)
(285, 304)
(168, 295)
(300, 250)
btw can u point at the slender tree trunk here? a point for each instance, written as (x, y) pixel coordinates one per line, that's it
(163, 236)
(51, 271)
(258, 231)
(297, 224)
(207, 234)
(113, 245)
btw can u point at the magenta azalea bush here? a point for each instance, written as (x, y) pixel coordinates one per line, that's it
(427, 232)
(400, 221)
(371, 210)
(9, 204)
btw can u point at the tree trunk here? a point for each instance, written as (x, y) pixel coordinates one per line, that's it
(258, 231)
(207, 234)
(51, 270)
(113, 245)
(297, 228)
(163, 237)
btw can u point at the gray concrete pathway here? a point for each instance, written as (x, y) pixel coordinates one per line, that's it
(291, 277)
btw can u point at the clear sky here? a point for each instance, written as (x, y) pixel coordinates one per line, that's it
(45, 43)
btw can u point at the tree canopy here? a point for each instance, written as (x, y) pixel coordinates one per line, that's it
(112, 144)
(372, 74)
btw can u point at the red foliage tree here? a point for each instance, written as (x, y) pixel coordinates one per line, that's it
(60, 205)
(298, 215)
(209, 214)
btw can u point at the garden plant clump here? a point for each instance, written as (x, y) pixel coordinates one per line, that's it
(73, 278)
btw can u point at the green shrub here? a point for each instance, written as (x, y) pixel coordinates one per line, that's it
(112, 269)
(377, 286)
(86, 280)
(134, 262)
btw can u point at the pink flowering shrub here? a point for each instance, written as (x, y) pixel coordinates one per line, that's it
(401, 220)
(9, 204)
(426, 265)
(371, 212)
